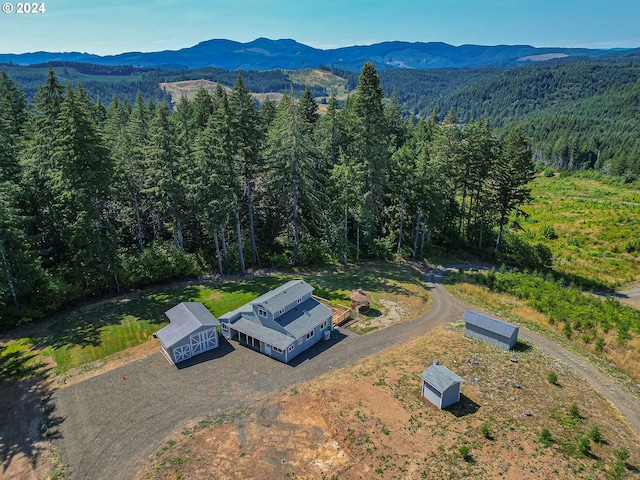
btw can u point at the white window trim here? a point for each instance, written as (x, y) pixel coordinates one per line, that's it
(300, 340)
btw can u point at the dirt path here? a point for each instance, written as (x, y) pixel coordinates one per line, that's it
(113, 421)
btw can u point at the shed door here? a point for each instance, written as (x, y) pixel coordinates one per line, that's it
(182, 353)
(203, 341)
(198, 341)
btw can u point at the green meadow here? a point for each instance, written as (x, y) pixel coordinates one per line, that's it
(592, 227)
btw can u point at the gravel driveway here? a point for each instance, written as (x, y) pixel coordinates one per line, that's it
(113, 421)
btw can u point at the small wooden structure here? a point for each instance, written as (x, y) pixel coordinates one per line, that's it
(360, 301)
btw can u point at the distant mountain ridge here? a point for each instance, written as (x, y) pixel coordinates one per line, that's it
(265, 54)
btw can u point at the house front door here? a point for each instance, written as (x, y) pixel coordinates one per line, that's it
(267, 349)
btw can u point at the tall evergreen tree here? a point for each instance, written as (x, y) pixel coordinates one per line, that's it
(294, 177)
(80, 186)
(167, 174)
(511, 176)
(247, 135)
(369, 146)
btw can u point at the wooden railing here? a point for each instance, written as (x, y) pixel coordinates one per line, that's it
(339, 316)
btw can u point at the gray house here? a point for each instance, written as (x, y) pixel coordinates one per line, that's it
(490, 330)
(440, 385)
(192, 330)
(281, 323)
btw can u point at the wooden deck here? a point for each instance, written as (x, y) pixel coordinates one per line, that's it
(340, 315)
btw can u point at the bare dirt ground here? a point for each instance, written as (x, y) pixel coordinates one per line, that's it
(369, 421)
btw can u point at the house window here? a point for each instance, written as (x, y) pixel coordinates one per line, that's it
(279, 350)
(310, 334)
(291, 347)
(324, 324)
(262, 312)
(299, 300)
(224, 327)
(281, 311)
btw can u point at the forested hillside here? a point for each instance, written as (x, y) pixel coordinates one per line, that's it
(577, 113)
(96, 199)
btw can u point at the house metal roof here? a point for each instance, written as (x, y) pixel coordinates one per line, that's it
(184, 319)
(284, 295)
(489, 323)
(440, 377)
(287, 328)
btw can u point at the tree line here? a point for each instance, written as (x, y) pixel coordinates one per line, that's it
(97, 199)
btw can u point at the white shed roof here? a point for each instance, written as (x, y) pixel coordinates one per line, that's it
(440, 377)
(184, 319)
(489, 323)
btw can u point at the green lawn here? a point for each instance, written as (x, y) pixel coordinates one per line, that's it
(92, 333)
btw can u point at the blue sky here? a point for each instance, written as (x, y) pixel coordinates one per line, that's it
(116, 26)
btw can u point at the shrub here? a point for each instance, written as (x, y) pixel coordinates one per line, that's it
(545, 437)
(622, 454)
(584, 446)
(549, 172)
(552, 378)
(617, 472)
(484, 430)
(595, 434)
(574, 412)
(632, 246)
(548, 232)
(465, 452)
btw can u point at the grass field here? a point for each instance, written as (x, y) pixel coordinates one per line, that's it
(592, 227)
(79, 337)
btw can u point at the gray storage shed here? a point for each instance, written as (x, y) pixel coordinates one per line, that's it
(490, 330)
(440, 385)
(192, 330)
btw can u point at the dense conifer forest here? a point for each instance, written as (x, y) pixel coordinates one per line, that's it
(97, 199)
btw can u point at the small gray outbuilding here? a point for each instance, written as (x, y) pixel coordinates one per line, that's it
(192, 330)
(490, 330)
(440, 385)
